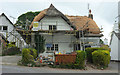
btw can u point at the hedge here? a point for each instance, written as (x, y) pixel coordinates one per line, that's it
(89, 53)
(28, 55)
(10, 49)
(80, 59)
(101, 58)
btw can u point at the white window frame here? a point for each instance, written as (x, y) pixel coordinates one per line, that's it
(56, 47)
(53, 27)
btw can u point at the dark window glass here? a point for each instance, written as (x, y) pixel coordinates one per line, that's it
(50, 27)
(0, 27)
(56, 47)
(52, 48)
(5, 27)
(54, 27)
(48, 48)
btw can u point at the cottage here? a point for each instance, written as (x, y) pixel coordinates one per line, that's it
(64, 33)
(7, 29)
(115, 46)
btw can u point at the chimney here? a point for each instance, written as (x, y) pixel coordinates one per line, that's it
(90, 15)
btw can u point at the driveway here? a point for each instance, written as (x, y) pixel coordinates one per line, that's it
(10, 59)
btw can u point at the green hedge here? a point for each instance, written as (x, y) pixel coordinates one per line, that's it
(80, 59)
(28, 55)
(10, 49)
(89, 53)
(101, 58)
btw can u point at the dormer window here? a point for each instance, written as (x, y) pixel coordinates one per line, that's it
(52, 27)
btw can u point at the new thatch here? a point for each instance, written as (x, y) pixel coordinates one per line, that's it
(83, 22)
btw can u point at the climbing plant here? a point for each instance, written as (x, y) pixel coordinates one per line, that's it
(39, 42)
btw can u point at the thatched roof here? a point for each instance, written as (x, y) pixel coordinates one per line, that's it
(83, 22)
(76, 22)
(51, 11)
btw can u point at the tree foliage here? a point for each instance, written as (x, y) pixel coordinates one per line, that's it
(22, 19)
(39, 42)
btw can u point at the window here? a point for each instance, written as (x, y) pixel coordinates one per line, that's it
(5, 28)
(53, 48)
(52, 27)
(0, 27)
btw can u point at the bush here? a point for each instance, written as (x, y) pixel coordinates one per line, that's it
(101, 58)
(33, 52)
(89, 53)
(80, 59)
(11, 49)
(28, 55)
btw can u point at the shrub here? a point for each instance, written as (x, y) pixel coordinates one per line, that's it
(11, 49)
(80, 59)
(11, 45)
(89, 53)
(27, 57)
(101, 58)
(33, 52)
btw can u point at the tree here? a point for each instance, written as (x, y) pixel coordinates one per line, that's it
(39, 42)
(22, 19)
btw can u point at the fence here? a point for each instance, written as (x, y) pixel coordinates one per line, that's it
(65, 58)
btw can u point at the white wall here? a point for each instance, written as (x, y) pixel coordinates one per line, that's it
(114, 48)
(63, 41)
(58, 21)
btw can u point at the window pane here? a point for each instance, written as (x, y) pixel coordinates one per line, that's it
(54, 27)
(0, 27)
(4, 27)
(48, 48)
(52, 48)
(56, 47)
(50, 27)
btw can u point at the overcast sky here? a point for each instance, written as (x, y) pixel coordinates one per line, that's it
(104, 11)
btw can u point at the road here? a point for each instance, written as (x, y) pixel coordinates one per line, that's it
(23, 69)
(8, 65)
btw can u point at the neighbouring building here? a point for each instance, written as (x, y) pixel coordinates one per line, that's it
(8, 30)
(115, 39)
(64, 33)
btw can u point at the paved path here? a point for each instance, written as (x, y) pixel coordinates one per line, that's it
(10, 59)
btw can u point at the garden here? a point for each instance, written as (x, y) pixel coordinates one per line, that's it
(97, 57)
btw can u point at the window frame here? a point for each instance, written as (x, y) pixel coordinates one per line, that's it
(6, 27)
(55, 47)
(52, 27)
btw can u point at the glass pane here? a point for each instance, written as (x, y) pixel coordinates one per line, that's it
(0, 27)
(4, 27)
(50, 27)
(48, 48)
(52, 48)
(54, 27)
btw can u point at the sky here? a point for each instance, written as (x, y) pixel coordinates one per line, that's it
(104, 11)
